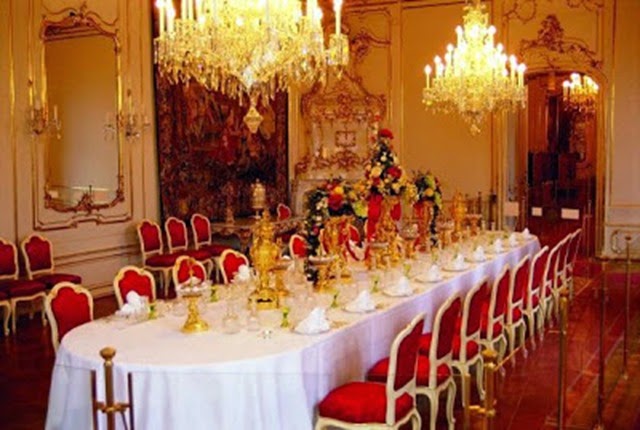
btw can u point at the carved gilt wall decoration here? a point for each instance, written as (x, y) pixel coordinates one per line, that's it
(553, 48)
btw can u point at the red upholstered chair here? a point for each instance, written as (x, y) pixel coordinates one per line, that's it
(493, 320)
(132, 278)
(297, 246)
(14, 290)
(469, 335)
(185, 268)
(548, 289)
(533, 307)
(283, 211)
(201, 229)
(515, 304)
(153, 257)
(387, 404)
(38, 257)
(178, 242)
(68, 306)
(230, 261)
(434, 361)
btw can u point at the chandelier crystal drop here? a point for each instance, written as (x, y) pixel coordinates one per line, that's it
(475, 77)
(579, 94)
(247, 48)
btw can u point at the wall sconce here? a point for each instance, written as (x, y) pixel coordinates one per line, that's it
(39, 120)
(130, 122)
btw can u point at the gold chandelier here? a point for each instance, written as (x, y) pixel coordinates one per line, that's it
(247, 48)
(476, 76)
(579, 94)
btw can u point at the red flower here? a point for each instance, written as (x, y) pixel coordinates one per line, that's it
(375, 182)
(385, 132)
(335, 202)
(395, 172)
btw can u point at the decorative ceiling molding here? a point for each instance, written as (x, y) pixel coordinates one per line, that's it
(525, 10)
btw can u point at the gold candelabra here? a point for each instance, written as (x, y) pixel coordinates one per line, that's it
(458, 213)
(324, 282)
(264, 255)
(194, 322)
(337, 231)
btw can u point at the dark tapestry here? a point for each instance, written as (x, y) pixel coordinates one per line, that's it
(208, 158)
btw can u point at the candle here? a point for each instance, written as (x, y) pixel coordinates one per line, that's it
(161, 15)
(459, 34)
(55, 113)
(521, 69)
(337, 8)
(266, 10)
(427, 72)
(171, 16)
(183, 8)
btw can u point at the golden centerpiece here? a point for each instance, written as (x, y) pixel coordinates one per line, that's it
(337, 233)
(387, 232)
(264, 255)
(324, 283)
(192, 293)
(279, 270)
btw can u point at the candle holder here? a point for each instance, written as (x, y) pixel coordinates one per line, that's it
(194, 323)
(279, 270)
(324, 283)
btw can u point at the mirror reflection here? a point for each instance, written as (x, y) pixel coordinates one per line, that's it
(82, 160)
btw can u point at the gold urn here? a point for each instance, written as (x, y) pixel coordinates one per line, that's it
(264, 255)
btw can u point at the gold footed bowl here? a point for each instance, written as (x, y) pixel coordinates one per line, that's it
(324, 283)
(194, 322)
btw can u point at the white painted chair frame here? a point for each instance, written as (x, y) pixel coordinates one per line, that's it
(165, 272)
(222, 258)
(140, 271)
(198, 244)
(510, 325)
(31, 274)
(535, 314)
(392, 395)
(499, 342)
(176, 268)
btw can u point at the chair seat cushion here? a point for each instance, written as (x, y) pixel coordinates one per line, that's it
(52, 279)
(378, 373)
(198, 254)
(362, 402)
(472, 348)
(215, 250)
(162, 260)
(425, 344)
(4, 296)
(22, 287)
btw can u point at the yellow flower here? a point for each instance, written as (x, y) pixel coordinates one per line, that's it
(339, 190)
(429, 192)
(376, 172)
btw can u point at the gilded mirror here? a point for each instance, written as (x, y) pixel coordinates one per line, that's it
(81, 83)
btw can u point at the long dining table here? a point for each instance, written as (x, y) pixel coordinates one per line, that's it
(265, 380)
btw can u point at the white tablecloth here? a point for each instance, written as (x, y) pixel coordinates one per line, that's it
(241, 381)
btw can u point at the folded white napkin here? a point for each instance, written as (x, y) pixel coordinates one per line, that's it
(315, 322)
(400, 288)
(497, 245)
(133, 305)
(458, 262)
(513, 240)
(526, 233)
(244, 274)
(362, 303)
(134, 299)
(478, 254)
(433, 274)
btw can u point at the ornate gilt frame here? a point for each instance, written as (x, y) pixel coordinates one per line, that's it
(57, 25)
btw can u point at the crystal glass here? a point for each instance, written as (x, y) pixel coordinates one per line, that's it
(253, 318)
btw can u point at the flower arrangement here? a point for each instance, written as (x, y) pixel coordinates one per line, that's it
(428, 188)
(336, 197)
(383, 174)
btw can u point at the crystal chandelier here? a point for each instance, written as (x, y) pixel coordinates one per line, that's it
(247, 48)
(579, 94)
(476, 76)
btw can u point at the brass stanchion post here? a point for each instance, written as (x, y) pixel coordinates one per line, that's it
(488, 411)
(109, 407)
(603, 298)
(466, 394)
(562, 366)
(627, 292)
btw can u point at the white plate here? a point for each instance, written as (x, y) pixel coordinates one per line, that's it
(426, 280)
(311, 334)
(473, 260)
(456, 269)
(346, 309)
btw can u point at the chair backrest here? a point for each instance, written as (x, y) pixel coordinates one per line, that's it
(176, 230)
(443, 332)
(561, 263)
(536, 275)
(230, 261)
(185, 268)
(354, 234)
(283, 211)
(150, 238)
(68, 305)
(519, 286)
(201, 229)
(403, 359)
(297, 246)
(499, 299)
(8, 260)
(472, 308)
(132, 278)
(550, 269)
(572, 253)
(38, 255)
